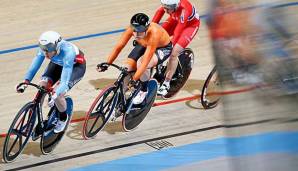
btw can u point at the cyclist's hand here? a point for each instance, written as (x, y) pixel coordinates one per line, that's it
(102, 67)
(21, 88)
(132, 83)
(51, 102)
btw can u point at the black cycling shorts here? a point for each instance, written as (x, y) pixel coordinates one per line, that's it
(53, 73)
(162, 53)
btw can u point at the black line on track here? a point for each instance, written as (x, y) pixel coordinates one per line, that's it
(147, 140)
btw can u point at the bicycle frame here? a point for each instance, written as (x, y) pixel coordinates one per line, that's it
(119, 84)
(37, 103)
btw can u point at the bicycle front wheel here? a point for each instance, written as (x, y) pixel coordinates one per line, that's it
(100, 111)
(19, 132)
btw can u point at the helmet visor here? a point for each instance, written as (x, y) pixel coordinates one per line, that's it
(169, 7)
(139, 28)
(48, 47)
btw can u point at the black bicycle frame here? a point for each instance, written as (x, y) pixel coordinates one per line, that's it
(119, 89)
(37, 102)
(37, 106)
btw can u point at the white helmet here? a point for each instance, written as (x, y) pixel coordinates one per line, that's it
(48, 41)
(170, 4)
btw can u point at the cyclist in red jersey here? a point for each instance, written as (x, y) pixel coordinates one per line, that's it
(182, 24)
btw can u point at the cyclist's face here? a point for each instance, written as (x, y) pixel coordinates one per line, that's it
(49, 55)
(49, 50)
(169, 11)
(139, 35)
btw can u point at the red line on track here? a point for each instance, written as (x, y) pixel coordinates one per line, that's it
(178, 100)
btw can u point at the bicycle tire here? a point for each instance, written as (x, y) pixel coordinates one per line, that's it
(207, 104)
(50, 139)
(132, 120)
(88, 132)
(19, 120)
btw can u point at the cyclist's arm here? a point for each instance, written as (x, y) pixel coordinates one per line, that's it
(120, 45)
(146, 59)
(158, 15)
(35, 65)
(68, 62)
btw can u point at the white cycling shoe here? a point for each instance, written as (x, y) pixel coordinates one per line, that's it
(163, 89)
(60, 125)
(140, 97)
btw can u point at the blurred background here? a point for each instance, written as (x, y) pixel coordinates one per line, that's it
(250, 121)
(255, 46)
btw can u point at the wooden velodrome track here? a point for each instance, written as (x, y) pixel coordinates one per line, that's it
(21, 24)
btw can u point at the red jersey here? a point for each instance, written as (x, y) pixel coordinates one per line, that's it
(185, 15)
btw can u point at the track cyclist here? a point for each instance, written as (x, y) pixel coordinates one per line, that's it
(182, 24)
(67, 64)
(150, 39)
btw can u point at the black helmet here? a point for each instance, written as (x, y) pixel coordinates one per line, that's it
(140, 22)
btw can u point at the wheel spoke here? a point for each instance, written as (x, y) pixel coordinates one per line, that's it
(17, 132)
(102, 101)
(94, 114)
(21, 126)
(99, 105)
(22, 121)
(27, 131)
(99, 116)
(20, 142)
(13, 144)
(107, 104)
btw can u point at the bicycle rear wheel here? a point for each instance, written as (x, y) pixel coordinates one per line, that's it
(100, 111)
(184, 68)
(210, 92)
(133, 118)
(19, 132)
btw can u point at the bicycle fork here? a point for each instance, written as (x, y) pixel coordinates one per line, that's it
(118, 107)
(40, 125)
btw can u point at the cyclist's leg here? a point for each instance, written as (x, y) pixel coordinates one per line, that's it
(77, 74)
(132, 59)
(50, 76)
(134, 56)
(173, 62)
(161, 55)
(186, 37)
(146, 75)
(144, 79)
(61, 105)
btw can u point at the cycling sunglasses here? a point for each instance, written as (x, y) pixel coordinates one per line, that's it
(139, 29)
(169, 7)
(48, 47)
